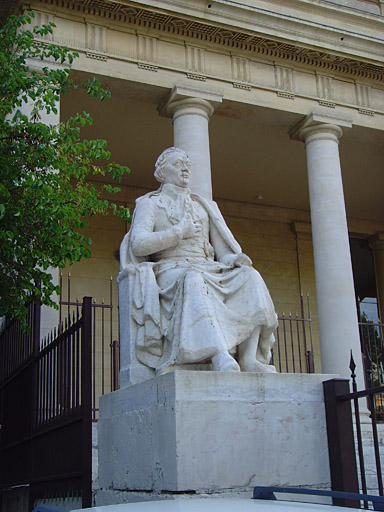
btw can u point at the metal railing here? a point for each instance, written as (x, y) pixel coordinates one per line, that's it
(45, 399)
(372, 344)
(16, 346)
(105, 338)
(372, 348)
(60, 365)
(344, 440)
(293, 350)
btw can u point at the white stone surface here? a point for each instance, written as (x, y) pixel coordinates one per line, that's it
(336, 303)
(210, 432)
(131, 371)
(190, 294)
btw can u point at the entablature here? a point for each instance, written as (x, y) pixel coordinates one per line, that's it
(327, 36)
(133, 51)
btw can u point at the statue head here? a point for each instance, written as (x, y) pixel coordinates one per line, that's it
(173, 166)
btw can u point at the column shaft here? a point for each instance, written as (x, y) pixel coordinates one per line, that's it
(191, 110)
(336, 303)
(190, 132)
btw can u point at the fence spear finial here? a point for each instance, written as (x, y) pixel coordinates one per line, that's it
(352, 367)
(352, 364)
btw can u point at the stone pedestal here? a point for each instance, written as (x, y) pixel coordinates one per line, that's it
(192, 433)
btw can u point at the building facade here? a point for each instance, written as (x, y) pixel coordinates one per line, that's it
(280, 106)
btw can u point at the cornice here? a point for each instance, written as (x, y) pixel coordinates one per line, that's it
(207, 32)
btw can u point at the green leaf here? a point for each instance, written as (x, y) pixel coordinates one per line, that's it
(45, 193)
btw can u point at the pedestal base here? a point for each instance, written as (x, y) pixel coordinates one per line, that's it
(194, 433)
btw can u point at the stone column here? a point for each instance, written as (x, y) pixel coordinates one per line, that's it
(190, 110)
(377, 246)
(338, 323)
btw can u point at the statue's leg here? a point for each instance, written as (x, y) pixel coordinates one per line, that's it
(253, 356)
(223, 362)
(247, 351)
(264, 347)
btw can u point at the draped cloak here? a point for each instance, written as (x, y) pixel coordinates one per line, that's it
(186, 304)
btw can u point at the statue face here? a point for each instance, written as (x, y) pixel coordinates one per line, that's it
(177, 169)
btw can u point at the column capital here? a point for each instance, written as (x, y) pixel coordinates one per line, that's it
(319, 127)
(186, 99)
(376, 242)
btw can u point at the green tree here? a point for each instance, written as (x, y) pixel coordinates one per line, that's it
(44, 189)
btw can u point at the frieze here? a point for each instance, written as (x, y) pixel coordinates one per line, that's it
(218, 35)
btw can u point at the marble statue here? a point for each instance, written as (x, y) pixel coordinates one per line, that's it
(195, 295)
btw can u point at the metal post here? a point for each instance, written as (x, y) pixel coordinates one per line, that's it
(86, 401)
(372, 408)
(310, 361)
(36, 321)
(352, 367)
(341, 446)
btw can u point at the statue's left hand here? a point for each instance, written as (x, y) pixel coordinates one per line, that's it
(242, 259)
(237, 260)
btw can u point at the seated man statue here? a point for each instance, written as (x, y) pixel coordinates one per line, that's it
(195, 295)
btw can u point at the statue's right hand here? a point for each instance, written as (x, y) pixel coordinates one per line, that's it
(190, 229)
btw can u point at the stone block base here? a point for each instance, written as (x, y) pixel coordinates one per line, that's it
(196, 433)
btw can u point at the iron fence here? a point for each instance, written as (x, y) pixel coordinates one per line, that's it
(372, 344)
(293, 350)
(45, 407)
(16, 346)
(372, 348)
(346, 436)
(105, 338)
